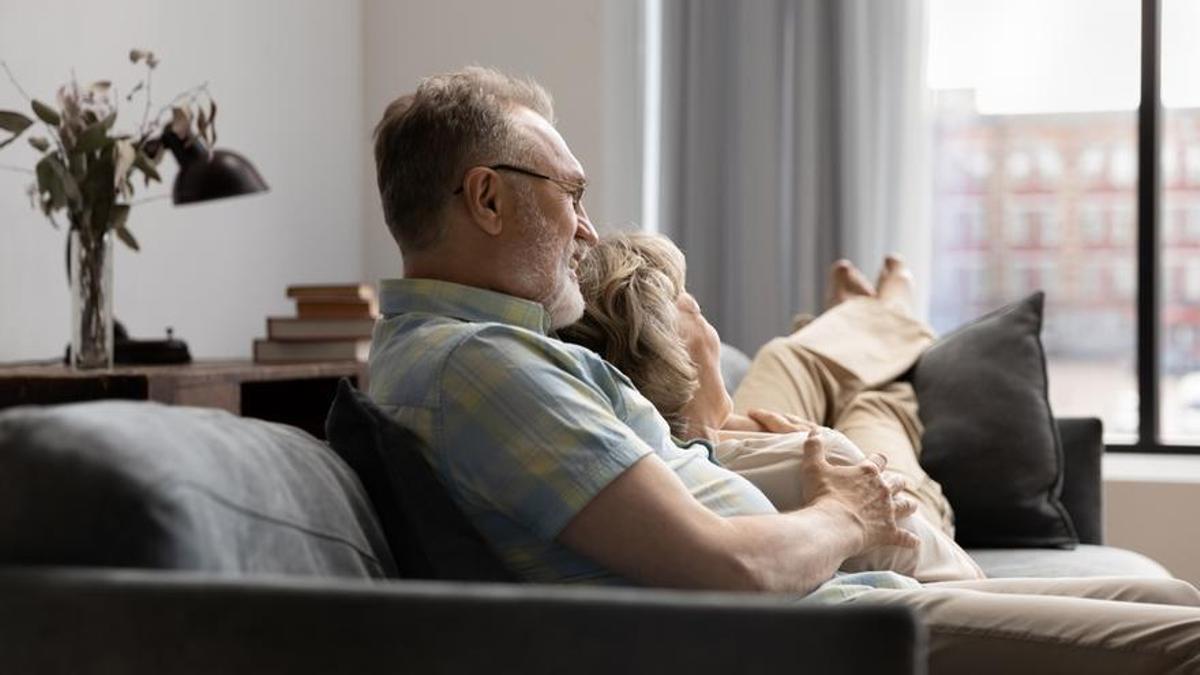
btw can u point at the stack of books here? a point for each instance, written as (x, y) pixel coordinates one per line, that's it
(332, 323)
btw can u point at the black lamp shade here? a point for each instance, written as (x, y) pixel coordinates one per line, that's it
(204, 175)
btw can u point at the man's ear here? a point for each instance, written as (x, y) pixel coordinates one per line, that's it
(482, 194)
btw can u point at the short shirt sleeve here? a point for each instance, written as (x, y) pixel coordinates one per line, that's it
(529, 431)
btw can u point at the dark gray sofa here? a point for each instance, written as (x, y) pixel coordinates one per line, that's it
(140, 538)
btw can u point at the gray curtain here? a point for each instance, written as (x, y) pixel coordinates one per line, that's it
(793, 133)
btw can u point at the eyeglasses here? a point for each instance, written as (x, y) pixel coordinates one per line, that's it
(573, 188)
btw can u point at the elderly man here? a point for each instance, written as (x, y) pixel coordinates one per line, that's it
(572, 476)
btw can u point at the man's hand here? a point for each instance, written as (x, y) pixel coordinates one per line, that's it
(860, 490)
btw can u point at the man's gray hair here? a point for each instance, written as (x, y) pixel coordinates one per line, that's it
(428, 139)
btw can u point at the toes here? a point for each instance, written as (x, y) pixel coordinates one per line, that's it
(894, 262)
(840, 269)
(859, 282)
(894, 269)
(845, 282)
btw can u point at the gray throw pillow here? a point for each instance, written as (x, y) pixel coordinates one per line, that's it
(137, 484)
(990, 436)
(428, 534)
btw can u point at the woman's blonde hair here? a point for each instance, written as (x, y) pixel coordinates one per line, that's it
(630, 283)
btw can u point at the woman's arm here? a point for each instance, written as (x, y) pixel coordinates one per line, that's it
(769, 421)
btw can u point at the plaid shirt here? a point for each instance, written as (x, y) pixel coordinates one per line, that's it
(522, 428)
(525, 429)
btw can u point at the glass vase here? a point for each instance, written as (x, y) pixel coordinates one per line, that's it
(91, 300)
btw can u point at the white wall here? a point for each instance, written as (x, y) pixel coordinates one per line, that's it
(1158, 520)
(1150, 503)
(287, 75)
(583, 51)
(300, 84)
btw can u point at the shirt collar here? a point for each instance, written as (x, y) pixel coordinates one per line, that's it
(468, 303)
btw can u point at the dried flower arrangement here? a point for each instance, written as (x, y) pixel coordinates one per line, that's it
(86, 167)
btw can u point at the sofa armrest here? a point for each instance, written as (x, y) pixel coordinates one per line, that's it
(128, 621)
(1083, 450)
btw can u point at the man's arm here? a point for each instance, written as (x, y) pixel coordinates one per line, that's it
(645, 525)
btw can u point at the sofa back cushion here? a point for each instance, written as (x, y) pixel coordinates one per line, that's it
(429, 535)
(135, 484)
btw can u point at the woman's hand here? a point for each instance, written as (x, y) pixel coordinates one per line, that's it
(736, 422)
(769, 421)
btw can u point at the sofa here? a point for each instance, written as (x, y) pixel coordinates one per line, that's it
(141, 538)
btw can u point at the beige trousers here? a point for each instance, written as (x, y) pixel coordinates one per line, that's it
(839, 370)
(1098, 625)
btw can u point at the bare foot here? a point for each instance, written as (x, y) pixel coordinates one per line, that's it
(896, 283)
(845, 282)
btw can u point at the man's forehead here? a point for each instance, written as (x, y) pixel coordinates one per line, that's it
(549, 142)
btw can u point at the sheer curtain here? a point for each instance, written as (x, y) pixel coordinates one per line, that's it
(793, 133)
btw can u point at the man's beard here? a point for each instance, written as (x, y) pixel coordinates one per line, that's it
(565, 304)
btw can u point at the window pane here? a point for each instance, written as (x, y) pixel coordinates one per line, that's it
(1179, 227)
(1035, 180)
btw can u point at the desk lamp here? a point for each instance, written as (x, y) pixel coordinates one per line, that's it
(203, 175)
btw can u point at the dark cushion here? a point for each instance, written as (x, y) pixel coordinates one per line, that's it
(135, 484)
(990, 437)
(427, 532)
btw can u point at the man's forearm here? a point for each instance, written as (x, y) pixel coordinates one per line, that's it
(796, 551)
(678, 542)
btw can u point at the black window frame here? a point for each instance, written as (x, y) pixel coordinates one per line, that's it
(1149, 131)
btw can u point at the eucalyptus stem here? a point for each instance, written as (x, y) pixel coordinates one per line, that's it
(146, 112)
(144, 200)
(12, 78)
(189, 94)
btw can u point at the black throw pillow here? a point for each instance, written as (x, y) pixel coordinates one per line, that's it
(990, 436)
(429, 536)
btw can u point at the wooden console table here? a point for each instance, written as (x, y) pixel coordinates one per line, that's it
(298, 394)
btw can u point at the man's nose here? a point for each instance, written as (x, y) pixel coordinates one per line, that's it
(585, 230)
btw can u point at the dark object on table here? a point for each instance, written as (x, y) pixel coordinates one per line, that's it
(131, 352)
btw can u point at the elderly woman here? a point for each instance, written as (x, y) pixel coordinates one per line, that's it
(834, 375)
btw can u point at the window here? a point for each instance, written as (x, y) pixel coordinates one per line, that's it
(1049, 162)
(1019, 227)
(965, 224)
(1191, 282)
(1123, 169)
(1179, 316)
(1117, 252)
(1093, 224)
(1192, 163)
(1065, 143)
(1191, 226)
(1095, 283)
(1091, 163)
(1020, 166)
